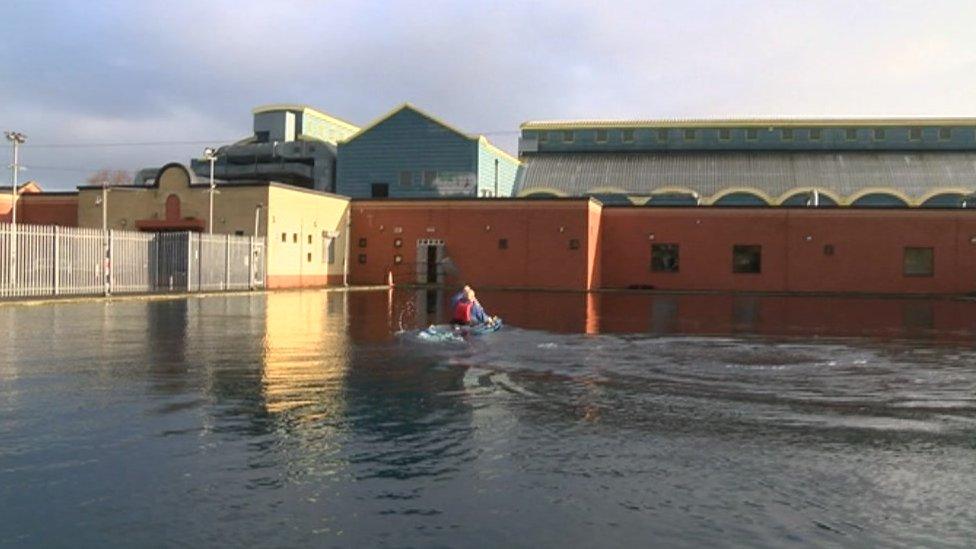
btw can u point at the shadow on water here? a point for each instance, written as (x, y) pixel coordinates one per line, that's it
(318, 417)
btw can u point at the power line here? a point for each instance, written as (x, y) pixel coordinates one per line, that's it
(131, 144)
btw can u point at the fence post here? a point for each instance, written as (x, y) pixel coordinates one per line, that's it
(111, 261)
(226, 262)
(189, 261)
(57, 260)
(250, 264)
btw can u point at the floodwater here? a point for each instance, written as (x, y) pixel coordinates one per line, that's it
(321, 419)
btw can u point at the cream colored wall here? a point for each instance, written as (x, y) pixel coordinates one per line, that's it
(300, 214)
(233, 206)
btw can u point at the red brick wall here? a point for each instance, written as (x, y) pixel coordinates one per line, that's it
(868, 249)
(538, 234)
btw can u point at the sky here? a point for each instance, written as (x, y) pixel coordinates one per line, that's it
(127, 85)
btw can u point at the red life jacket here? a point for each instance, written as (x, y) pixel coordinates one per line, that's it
(462, 312)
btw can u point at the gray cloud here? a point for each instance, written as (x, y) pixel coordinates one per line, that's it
(109, 72)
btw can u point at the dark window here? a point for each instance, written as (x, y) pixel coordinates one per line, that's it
(664, 258)
(816, 134)
(851, 135)
(284, 237)
(502, 243)
(627, 136)
(406, 178)
(725, 134)
(262, 137)
(380, 190)
(430, 177)
(294, 238)
(601, 136)
(945, 134)
(568, 136)
(574, 244)
(746, 259)
(915, 134)
(362, 242)
(397, 242)
(787, 134)
(239, 233)
(662, 134)
(919, 261)
(362, 258)
(828, 249)
(309, 239)
(309, 254)
(690, 135)
(543, 137)
(332, 251)
(752, 134)
(879, 134)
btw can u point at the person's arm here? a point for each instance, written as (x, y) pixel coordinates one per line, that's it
(478, 314)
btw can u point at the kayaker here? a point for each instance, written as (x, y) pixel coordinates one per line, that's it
(467, 311)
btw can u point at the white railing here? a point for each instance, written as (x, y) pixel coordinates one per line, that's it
(42, 260)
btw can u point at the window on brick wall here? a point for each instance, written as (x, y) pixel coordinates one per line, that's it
(664, 258)
(746, 258)
(919, 261)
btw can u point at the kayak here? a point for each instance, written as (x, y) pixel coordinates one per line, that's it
(450, 332)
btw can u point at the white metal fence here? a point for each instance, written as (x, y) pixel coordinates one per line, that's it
(42, 260)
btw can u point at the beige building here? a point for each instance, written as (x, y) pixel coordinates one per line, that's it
(305, 229)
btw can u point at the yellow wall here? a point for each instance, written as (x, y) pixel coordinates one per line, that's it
(233, 206)
(305, 217)
(297, 216)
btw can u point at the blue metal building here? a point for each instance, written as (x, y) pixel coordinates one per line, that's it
(861, 162)
(409, 153)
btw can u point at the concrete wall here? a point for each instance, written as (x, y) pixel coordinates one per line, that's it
(537, 235)
(301, 225)
(867, 252)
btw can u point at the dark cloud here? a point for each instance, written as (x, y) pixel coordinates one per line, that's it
(111, 72)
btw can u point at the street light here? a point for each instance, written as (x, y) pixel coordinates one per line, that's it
(106, 246)
(210, 154)
(17, 139)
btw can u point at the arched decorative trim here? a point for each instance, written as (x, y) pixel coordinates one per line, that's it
(736, 190)
(607, 190)
(675, 190)
(944, 190)
(540, 190)
(850, 200)
(800, 190)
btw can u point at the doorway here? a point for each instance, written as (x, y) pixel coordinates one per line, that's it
(430, 253)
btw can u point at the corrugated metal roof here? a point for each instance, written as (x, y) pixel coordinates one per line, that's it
(773, 173)
(758, 121)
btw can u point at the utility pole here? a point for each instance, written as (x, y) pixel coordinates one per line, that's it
(211, 154)
(17, 139)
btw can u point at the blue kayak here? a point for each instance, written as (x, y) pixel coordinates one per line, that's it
(449, 332)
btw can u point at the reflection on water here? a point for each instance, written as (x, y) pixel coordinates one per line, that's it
(301, 418)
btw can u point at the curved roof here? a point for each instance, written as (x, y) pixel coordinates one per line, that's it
(774, 173)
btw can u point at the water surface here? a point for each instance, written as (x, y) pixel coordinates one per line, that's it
(319, 418)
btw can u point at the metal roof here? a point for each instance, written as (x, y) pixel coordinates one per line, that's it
(759, 122)
(774, 173)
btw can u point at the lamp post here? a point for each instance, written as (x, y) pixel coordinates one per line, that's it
(210, 154)
(254, 238)
(17, 139)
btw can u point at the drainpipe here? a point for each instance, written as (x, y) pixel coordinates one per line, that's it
(345, 260)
